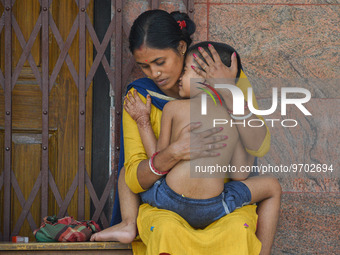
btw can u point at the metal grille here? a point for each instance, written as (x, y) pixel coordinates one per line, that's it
(9, 77)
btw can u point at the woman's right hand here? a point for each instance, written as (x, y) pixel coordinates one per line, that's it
(192, 145)
(215, 69)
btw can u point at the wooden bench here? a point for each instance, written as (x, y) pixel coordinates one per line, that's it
(85, 248)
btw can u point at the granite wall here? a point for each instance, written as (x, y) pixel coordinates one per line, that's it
(286, 44)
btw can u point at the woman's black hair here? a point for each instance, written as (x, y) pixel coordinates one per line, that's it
(159, 29)
(224, 50)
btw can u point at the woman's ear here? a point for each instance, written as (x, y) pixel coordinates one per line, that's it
(182, 47)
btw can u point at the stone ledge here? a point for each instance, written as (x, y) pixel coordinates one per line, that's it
(64, 246)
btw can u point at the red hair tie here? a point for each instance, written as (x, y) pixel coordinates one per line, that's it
(182, 24)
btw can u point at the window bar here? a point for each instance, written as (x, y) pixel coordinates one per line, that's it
(118, 82)
(81, 97)
(8, 120)
(155, 4)
(45, 104)
(190, 8)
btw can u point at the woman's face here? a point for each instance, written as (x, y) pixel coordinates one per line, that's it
(164, 67)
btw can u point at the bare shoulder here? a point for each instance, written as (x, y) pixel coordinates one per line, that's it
(176, 105)
(173, 108)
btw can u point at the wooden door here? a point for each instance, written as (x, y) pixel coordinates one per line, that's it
(46, 73)
(67, 120)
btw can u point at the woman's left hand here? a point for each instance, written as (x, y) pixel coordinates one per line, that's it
(215, 69)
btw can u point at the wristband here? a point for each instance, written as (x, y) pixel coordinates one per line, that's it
(152, 168)
(241, 117)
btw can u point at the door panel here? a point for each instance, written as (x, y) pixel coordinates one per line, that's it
(63, 113)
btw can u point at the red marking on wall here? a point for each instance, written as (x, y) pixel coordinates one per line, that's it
(269, 4)
(208, 14)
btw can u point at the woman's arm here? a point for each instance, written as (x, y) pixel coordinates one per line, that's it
(189, 145)
(256, 140)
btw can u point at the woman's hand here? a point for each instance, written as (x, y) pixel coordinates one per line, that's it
(135, 107)
(215, 69)
(192, 145)
(216, 73)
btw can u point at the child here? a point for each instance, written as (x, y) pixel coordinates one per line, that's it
(201, 201)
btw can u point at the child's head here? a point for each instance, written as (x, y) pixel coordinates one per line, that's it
(225, 51)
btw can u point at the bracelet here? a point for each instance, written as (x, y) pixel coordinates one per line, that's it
(242, 117)
(152, 168)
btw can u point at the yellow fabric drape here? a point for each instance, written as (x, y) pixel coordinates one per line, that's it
(165, 231)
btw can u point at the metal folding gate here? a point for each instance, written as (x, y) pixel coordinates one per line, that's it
(8, 78)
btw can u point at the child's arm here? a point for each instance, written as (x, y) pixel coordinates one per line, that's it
(140, 113)
(166, 124)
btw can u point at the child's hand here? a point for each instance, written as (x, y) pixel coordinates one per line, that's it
(135, 107)
(215, 69)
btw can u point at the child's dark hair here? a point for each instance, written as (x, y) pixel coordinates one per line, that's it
(159, 29)
(224, 50)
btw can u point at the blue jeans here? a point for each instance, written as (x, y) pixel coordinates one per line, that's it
(199, 213)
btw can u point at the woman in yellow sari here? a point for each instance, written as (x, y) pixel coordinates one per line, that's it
(158, 41)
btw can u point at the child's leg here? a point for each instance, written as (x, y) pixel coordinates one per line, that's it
(267, 190)
(125, 231)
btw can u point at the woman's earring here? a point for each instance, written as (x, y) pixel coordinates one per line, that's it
(183, 53)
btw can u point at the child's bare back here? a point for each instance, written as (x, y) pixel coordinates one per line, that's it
(179, 179)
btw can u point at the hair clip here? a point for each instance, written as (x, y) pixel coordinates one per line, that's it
(182, 24)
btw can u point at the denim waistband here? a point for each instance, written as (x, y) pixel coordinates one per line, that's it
(209, 201)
